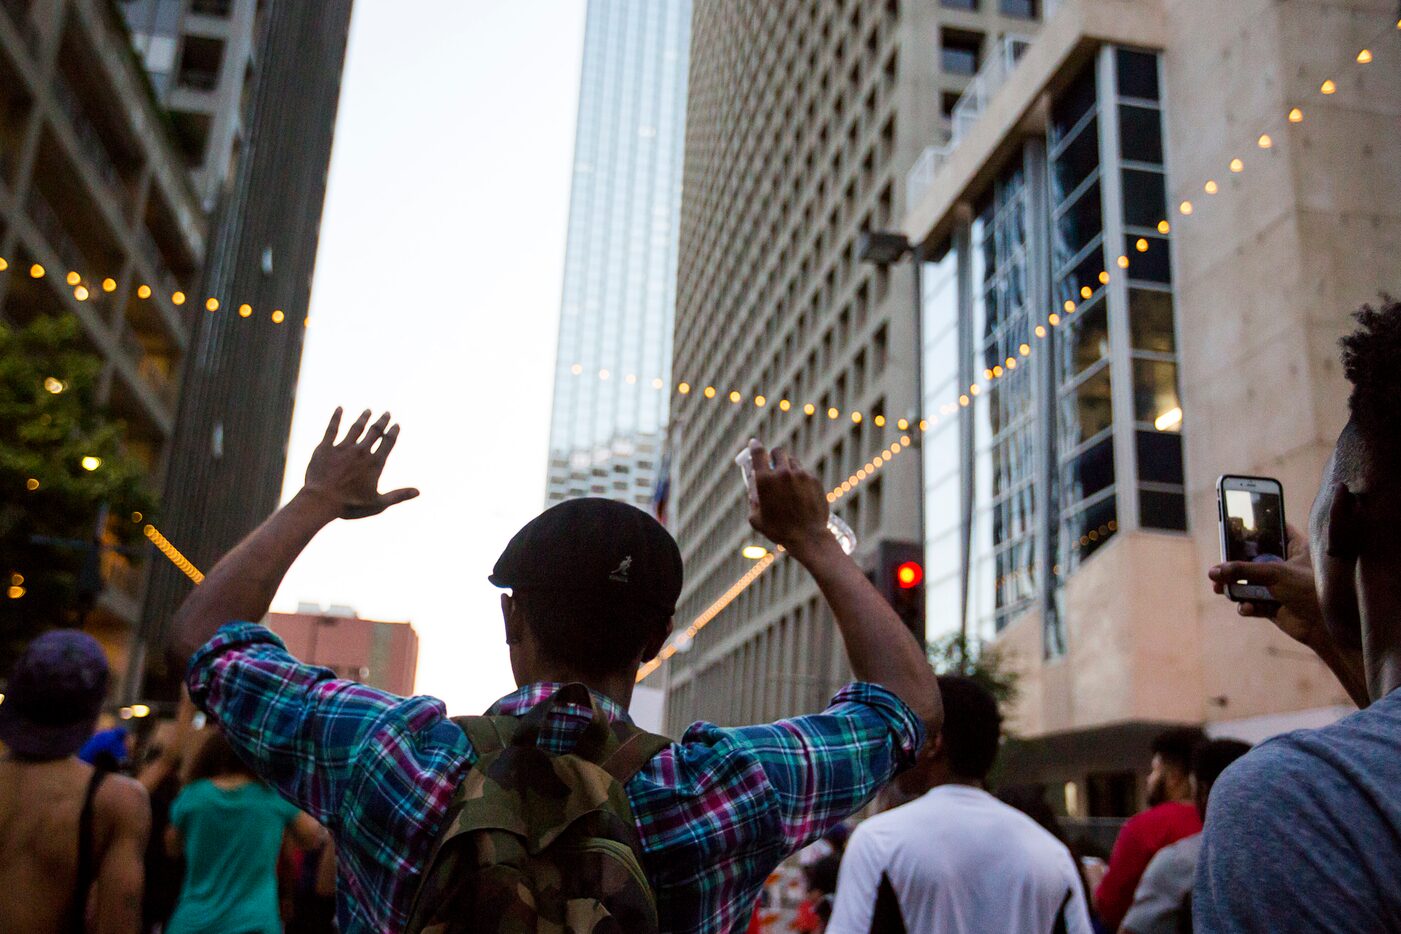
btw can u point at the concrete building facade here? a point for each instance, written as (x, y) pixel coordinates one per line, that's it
(199, 56)
(613, 363)
(804, 116)
(383, 655)
(93, 187)
(1136, 262)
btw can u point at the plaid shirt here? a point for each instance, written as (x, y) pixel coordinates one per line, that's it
(716, 811)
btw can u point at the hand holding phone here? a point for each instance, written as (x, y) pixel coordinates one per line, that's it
(1251, 512)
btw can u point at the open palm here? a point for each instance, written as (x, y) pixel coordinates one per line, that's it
(347, 473)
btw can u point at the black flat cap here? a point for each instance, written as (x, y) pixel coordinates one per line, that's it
(598, 549)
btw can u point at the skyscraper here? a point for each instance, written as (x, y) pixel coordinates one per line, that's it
(230, 446)
(804, 116)
(613, 367)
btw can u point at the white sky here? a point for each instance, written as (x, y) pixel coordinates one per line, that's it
(437, 297)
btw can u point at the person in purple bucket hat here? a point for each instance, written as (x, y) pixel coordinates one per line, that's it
(72, 836)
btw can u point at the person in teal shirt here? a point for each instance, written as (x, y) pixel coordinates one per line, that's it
(230, 826)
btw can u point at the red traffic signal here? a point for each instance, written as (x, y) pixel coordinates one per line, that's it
(909, 575)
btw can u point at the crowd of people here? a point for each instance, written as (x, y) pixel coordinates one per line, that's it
(554, 812)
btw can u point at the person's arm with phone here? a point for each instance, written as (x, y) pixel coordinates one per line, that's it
(1296, 610)
(790, 507)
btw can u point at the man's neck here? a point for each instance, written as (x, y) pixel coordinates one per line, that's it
(617, 688)
(1379, 603)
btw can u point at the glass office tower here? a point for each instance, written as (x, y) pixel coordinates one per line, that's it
(612, 372)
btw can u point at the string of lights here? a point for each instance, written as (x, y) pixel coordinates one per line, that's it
(1166, 421)
(164, 546)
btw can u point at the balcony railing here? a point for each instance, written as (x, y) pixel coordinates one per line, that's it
(990, 78)
(986, 83)
(921, 175)
(46, 219)
(89, 139)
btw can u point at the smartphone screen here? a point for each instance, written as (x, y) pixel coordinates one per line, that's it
(1252, 526)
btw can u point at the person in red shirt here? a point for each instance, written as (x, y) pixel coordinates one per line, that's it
(1171, 815)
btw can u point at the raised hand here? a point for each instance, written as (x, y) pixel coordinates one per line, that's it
(787, 503)
(346, 474)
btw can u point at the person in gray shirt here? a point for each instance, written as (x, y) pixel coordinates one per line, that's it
(1304, 833)
(1162, 903)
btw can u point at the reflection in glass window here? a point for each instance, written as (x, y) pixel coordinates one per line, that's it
(1155, 400)
(1151, 321)
(1086, 409)
(1085, 338)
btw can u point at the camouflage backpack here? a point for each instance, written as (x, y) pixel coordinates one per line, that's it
(536, 843)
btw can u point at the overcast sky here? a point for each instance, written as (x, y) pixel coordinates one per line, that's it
(437, 297)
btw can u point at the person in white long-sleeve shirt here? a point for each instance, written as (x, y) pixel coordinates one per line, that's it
(956, 859)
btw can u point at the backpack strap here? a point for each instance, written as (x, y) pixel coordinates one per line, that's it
(87, 859)
(633, 754)
(487, 734)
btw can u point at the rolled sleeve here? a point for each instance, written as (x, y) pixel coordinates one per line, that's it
(820, 768)
(304, 731)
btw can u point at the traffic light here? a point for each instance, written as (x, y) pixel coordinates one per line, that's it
(899, 576)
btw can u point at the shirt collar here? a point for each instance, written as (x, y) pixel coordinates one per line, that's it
(523, 699)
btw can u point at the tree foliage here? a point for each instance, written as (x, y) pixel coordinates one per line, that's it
(49, 503)
(982, 661)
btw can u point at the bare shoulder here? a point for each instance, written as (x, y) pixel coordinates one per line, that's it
(125, 803)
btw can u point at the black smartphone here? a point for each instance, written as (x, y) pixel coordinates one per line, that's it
(1251, 511)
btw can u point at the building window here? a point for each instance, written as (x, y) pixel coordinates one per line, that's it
(971, 5)
(1026, 9)
(960, 52)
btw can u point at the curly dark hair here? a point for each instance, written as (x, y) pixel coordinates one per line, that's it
(1370, 360)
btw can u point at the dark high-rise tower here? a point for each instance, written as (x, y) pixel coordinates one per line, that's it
(230, 447)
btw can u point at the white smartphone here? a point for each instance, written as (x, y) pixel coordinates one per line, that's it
(1251, 511)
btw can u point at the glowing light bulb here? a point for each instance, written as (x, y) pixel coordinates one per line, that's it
(1364, 57)
(31, 484)
(1237, 166)
(245, 310)
(1123, 262)
(833, 413)
(1024, 350)
(1296, 116)
(1164, 227)
(735, 396)
(91, 463)
(1142, 245)
(1328, 87)
(856, 418)
(784, 405)
(1211, 187)
(1040, 331)
(809, 409)
(1069, 307)
(1054, 319)
(657, 383)
(684, 389)
(211, 304)
(81, 293)
(1265, 141)
(178, 298)
(109, 284)
(576, 369)
(995, 372)
(73, 278)
(278, 317)
(903, 424)
(880, 421)
(754, 552)
(4, 264)
(760, 402)
(36, 271)
(1104, 278)
(143, 291)
(709, 392)
(1086, 291)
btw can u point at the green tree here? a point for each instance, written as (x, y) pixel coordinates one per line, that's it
(982, 661)
(50, 502)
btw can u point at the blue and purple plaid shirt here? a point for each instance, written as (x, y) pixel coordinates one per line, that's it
(717, 811)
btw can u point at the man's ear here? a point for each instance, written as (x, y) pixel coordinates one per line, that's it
(657, 640)
(513, 618)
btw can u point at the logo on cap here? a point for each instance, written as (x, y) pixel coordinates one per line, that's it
(620, 573)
